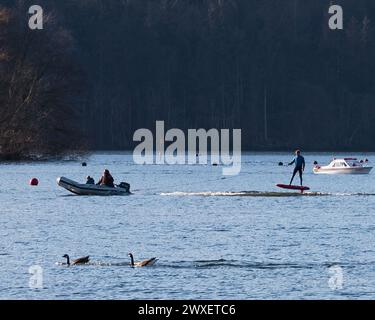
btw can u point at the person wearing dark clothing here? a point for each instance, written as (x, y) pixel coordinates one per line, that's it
(90, 180)
(299, 162)
(106, 179)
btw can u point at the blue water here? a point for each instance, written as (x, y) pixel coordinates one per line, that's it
(211, 242)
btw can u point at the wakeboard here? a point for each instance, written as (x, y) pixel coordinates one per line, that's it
(287, 186)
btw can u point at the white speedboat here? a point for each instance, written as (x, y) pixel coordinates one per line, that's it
(92, 189)
(343, 166)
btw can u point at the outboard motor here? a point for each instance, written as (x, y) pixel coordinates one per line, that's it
(124, 185)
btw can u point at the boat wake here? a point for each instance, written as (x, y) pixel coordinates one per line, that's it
(261, 194)
(244, 194)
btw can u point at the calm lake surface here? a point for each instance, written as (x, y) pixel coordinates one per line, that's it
(212, 243)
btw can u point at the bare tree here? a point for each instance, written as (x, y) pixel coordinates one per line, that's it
(38, 87)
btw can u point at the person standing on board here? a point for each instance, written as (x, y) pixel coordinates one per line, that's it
(299, 162)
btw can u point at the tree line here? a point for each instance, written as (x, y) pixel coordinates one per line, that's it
(101, 69)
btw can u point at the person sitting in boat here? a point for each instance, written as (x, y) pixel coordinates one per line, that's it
(90, 180)
(106, 179)
(300, 164)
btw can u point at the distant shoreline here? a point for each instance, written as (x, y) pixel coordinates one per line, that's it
(81, 157)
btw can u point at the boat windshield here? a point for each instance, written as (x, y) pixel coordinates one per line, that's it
(340, 164)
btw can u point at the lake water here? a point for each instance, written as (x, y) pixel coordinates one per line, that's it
(212, 243)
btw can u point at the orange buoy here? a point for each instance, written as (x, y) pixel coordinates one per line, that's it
(34, 182)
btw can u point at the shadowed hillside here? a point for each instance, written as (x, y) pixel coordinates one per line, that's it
(272, 68)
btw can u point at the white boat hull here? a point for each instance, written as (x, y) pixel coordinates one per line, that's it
(359, 170)
(88, 189)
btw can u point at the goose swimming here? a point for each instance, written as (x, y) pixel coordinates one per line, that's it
(82, 260)
(144, 263)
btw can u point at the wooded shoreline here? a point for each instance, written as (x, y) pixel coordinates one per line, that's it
(100, 70)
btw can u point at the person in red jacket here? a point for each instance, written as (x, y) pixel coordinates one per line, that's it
(106, 179)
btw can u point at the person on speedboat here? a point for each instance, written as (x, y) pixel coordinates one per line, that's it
(106, 179)
(300, 164)
(90, 180)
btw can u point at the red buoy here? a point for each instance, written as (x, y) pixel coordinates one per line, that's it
(34, 182)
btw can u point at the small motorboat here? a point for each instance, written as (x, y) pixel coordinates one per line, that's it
(92, 189)
(343, 166)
